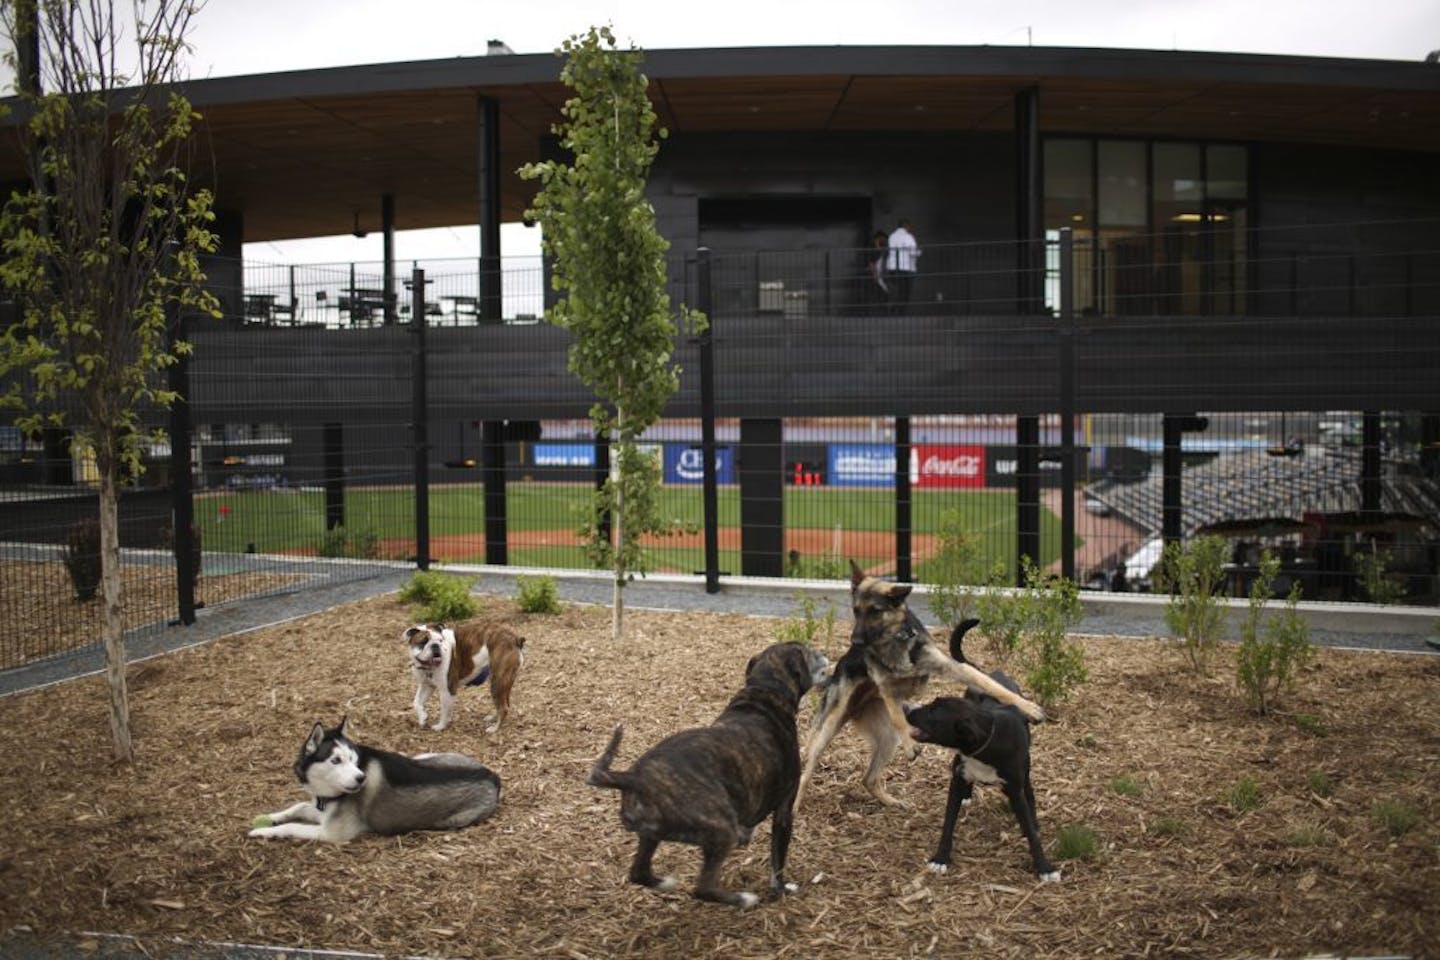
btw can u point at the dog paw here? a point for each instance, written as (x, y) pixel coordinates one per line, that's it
(790, 887)
(439, 726)
(936, 867)
(967, 801)
(666, 884)
(1052, 876)
(262, 832)
(745, 900)
(494, 728)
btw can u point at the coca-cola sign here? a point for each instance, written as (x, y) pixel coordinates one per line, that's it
(948, 465)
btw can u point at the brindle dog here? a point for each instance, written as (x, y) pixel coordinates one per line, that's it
(710, 786)
(891, 658)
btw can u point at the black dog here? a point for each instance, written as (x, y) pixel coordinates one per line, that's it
(992, 745)
(711, 786)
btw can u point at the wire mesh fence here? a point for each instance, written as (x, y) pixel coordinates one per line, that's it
(1076, 404)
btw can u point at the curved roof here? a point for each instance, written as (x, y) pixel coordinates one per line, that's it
(302, 153)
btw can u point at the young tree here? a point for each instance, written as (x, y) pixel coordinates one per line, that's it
(609, 265)
(102, 249)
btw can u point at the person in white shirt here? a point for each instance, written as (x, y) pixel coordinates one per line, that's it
(901, 263)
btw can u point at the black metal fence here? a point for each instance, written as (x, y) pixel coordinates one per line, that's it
(1079, 413)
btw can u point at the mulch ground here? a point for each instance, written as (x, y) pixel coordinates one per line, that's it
(158, 849)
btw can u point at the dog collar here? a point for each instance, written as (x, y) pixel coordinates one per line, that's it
(321, 801)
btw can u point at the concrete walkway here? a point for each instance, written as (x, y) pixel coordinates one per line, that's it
(1404, 629)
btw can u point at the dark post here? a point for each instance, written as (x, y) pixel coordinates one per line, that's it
(1172, 462)
(1067, 403)
(1030, 212)
(490, 303)
(334, 444)
(387, 230)
(602, 473)
(1030, 299)
(181, 486)
(419, 418)
(1370, 462)
(1027, 493)
(710, 497)
(904, 523)
(761, 472)
(492, 442)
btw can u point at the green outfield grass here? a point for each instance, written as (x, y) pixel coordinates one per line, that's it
(286, 521)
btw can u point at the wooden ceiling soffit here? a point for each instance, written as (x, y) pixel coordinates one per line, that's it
(748, 103)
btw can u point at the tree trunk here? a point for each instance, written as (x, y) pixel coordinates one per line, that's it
(113, 629)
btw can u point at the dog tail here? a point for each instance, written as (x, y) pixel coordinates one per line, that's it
(957, 639)
(601, 775)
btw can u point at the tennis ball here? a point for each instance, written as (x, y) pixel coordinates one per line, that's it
(263, 820)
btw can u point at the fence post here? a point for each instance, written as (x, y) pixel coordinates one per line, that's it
(903, 520)
(334, 454)
(419, 416)
(1067, 403)
(710, 495)
(182, 522)
(493, 436)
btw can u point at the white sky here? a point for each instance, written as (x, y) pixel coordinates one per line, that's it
(236, 37)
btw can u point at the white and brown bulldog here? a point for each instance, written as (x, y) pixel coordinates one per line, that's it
(446, 659)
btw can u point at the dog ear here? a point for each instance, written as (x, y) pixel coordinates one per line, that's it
(900, 591)
(344, 729)
(856, 575)
(317, 735)
(409, 634)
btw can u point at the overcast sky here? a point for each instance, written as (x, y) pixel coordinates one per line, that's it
(235, 37)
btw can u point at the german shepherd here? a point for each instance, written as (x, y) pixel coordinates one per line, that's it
(891, 658)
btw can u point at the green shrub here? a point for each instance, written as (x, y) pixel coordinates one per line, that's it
(1311, 724)
(1127, 786)
(440, 596)
(1245, 795)
(1396, 816)
(1001, 610)
(537, 594)
(1169, 826)
(1193, 573)
(807, 628)
(1054, 664)
(956, 570)
(1076, 841)
(82, 558)
(1373, 567)
(1319, 783)
(1267, 660)
(339, 542)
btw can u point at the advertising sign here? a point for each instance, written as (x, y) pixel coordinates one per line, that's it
(861, 465)
(947, 465)
(685, 463)
(564, 454)
(1002, 462)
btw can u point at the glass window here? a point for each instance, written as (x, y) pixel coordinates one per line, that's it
(1068, 179)
(1122, 183)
